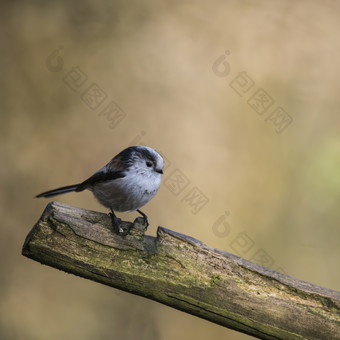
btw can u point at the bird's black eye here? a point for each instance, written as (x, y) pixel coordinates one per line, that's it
(149, 164)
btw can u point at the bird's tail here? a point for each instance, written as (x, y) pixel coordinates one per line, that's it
(59, 191)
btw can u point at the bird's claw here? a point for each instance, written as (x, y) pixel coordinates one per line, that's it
(146, 220)
(115, 223)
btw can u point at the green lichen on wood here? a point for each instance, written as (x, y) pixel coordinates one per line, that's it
(183, 273)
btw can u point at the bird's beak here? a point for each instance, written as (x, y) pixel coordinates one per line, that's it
(160, 171)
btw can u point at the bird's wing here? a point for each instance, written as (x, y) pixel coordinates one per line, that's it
(102, 175)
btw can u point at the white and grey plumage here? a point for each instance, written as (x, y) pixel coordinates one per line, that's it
(128, 182)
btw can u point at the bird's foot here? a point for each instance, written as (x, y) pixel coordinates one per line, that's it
(115, 223)
(146, 220)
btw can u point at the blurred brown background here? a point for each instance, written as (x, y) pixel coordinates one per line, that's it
(265, 190)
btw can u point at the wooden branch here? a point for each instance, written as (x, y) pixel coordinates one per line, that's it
(184, 273)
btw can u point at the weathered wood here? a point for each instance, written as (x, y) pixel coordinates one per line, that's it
(184, 273)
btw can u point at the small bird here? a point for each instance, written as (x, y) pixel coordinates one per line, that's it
(128, 182)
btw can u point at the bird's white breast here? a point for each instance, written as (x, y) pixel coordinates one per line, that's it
(128, 193)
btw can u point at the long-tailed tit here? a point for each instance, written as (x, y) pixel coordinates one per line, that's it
(128, 182)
